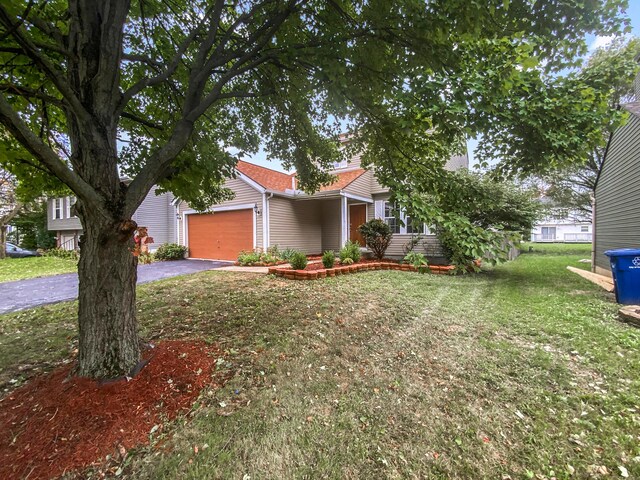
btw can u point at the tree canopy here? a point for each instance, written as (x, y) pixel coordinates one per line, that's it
(162, 90)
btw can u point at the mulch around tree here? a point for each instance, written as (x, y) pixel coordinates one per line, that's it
(57, 423)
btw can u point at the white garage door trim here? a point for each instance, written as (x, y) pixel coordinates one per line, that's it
(227, 208)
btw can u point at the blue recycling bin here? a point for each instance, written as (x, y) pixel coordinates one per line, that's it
(625, 266)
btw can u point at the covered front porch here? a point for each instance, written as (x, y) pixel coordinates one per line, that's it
(314, 224)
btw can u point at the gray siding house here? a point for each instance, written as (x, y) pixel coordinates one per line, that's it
(617, 197)
(268, 210)
(156, 212)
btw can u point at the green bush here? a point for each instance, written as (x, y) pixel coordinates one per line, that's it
(287, 253)
(328, 259)
(62, 253)
(350, 250)
(170, 251)
(347, 261)
(377, 236)
(298, 261)
(248, 257)
(418, 260)
(146, 258)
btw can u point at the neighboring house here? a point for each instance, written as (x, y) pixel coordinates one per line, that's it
(157, 213)
(617, 205)
(562, 226)
(269, 210)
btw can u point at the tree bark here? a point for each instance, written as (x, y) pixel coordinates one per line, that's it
(109, 343)
(3, 242)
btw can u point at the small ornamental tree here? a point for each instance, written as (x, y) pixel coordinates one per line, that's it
(377, 236)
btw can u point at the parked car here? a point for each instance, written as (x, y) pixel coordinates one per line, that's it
(17, 252)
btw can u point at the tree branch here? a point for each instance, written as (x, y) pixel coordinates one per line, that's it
(48, 157)
(43, 63)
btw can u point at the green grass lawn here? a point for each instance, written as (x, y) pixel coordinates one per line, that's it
(522, 371)
(30, 267)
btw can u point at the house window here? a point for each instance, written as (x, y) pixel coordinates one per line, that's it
(341, 164)
(390, 218)
(71, 201)
(402, 225)
(57, 208)
(584, 228)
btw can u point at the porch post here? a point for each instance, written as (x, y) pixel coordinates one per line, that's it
(345, 221)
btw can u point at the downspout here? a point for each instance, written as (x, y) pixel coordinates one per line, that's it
(593, 232)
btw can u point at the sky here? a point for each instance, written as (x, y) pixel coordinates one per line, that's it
(594, 42)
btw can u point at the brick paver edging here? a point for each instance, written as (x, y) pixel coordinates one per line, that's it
(290, 274)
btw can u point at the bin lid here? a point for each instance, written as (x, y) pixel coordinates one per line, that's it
(622, 252)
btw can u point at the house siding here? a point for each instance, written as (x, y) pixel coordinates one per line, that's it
(296, 224)
(158, 215)
(429, 245)
(617, 216)
(61, 224)
(244, 194)
(330, 216)
(361, 186)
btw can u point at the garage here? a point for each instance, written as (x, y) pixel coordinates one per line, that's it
(220, 235)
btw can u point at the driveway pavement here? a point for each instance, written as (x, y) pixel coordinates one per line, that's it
(33, 292)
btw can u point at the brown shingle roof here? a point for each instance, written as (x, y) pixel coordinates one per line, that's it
(267, 178)
(342, 180)
(278, 181)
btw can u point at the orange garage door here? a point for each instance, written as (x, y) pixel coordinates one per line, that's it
(221, 235)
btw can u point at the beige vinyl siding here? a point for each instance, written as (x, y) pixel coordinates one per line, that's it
(330, 216)
(157, 214)
(617, 216)
(361, 186)
(64, 223)
(244, 194)
(457, 162)
(295, 224)
(429, 244)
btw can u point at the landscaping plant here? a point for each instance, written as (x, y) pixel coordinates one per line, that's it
(377, 236)
(62, 253)
(328, 259)
(287, 253)
(298, 261)
(170, 251)
(417, 260)
(350, 250)
(248, 257)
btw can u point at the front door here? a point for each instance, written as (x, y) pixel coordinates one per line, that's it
(357, 216)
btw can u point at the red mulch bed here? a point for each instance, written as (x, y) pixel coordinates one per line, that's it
(56, 423)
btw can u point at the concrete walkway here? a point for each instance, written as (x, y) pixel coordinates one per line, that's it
(33, 292)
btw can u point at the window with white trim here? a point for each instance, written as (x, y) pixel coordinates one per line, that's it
(584, 228)
(71, 201)
(403, 225)
(57, 208)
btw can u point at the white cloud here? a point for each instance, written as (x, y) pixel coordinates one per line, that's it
(600, 42)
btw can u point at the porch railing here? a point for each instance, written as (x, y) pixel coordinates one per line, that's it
(577, 237)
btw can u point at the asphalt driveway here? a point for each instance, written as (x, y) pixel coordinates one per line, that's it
(33, 292)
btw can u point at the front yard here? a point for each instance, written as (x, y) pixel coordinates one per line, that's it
(520, 372)
(31, 267)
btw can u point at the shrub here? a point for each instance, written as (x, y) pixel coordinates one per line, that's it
(268, 257)
(287, 253)
(248, 257)
(377, 236)
(418, 260)
(347, 261)
(273, 251)
(146, 258)
(350, 250)
(298, 261)
(170, 251)
(62, 253)
(328, 259)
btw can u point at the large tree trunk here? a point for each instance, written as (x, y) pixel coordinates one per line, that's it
(109, 343)
(3, 241)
